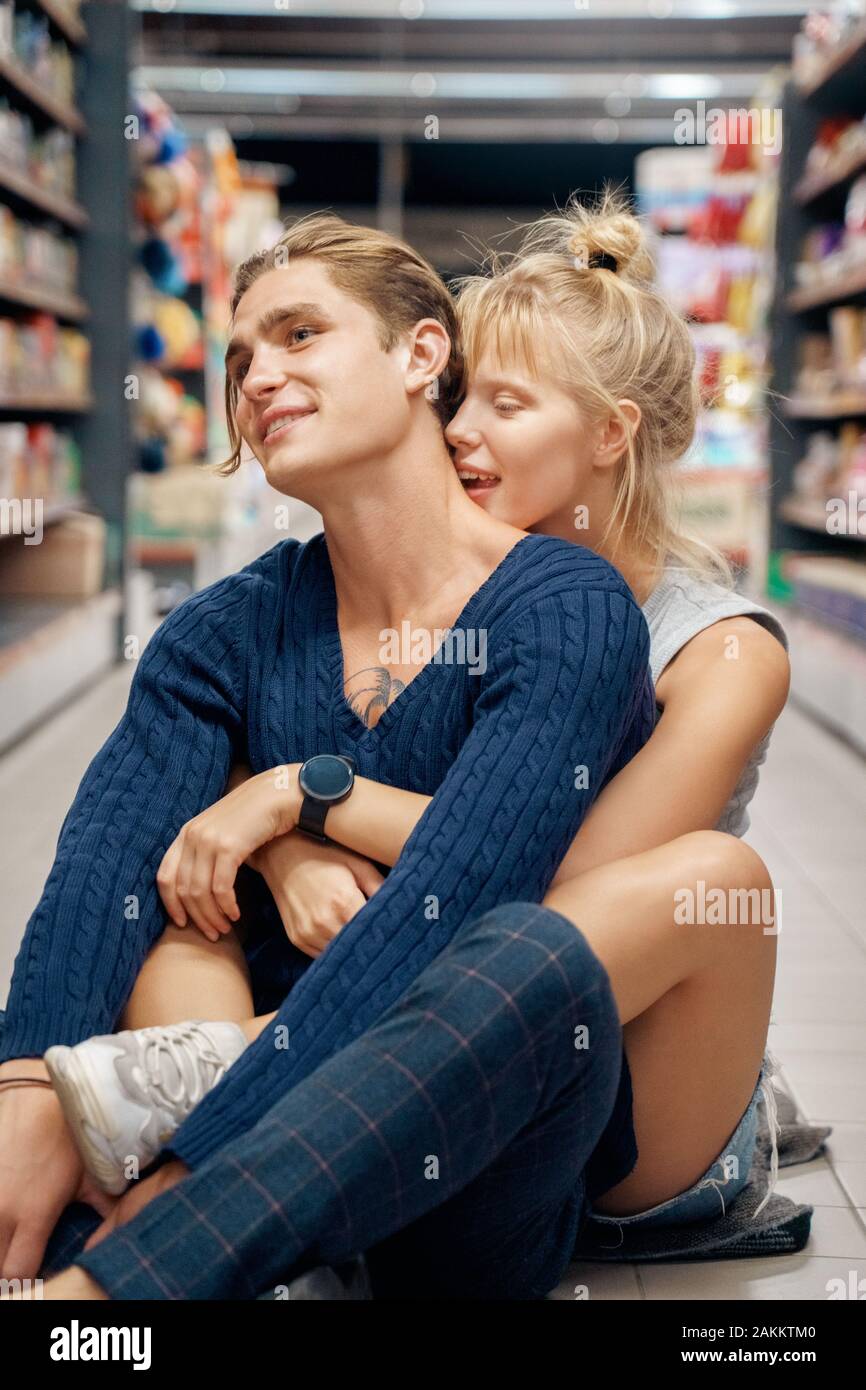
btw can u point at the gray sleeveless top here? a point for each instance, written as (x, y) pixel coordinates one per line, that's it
(680, 607)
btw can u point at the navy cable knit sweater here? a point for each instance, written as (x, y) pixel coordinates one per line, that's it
(252, 668)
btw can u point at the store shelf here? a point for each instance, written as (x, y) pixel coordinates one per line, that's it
(72, 29)
(13, 76)
(811, 515)
(64, 306)
(23, 191)
(49, 649)
(814, 186)
(840, 69)
(44, 404)
(828, 673)
(845, 406)
(816, 296)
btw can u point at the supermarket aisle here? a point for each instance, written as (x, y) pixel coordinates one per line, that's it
(807, 823)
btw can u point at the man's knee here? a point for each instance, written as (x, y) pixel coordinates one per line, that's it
(541, 949)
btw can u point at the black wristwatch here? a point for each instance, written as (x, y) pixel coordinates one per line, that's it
(325, 780)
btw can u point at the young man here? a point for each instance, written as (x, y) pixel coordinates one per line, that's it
(338, 335)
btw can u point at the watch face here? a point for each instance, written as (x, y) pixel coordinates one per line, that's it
(325, 777)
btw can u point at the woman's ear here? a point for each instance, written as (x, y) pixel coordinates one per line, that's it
(429, 351)
(615, 433)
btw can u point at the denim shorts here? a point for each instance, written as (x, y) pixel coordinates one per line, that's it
(726, 1176)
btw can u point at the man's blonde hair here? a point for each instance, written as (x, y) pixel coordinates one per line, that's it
(378, 270)
(576, 300)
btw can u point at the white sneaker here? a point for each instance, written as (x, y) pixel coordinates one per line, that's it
(125, 1094)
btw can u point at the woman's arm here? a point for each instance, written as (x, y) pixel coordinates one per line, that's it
(717, 708)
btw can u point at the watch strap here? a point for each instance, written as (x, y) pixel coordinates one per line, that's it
(312, 817)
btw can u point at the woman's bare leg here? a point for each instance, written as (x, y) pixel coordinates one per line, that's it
(694, 1000)
(186, 976)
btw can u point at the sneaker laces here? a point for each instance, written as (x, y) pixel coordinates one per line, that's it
(197, 1066)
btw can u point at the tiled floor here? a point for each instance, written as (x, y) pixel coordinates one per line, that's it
(808, 823)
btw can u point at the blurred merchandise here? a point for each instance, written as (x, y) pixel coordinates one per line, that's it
(27, 42)
(831, 589)
(35, 257)
(39, 357)
(48, 159)
(824, 30)
(832, 250)
(68, 562)
(713, 209)
(39, 460)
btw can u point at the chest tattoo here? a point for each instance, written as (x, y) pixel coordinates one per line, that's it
(370, 691)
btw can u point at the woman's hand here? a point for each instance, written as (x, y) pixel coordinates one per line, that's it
(197, 875)
(317, 888)
(40, 1171)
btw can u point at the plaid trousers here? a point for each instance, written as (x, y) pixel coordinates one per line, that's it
(447, 1143)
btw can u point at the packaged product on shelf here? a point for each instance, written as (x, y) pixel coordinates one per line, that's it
(68, 563)
(48, 62)
(832, 590)
(822, 32)
(840, 142)
(816, 374)
(848, 337)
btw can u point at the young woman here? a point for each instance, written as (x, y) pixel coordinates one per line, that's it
(580, 400)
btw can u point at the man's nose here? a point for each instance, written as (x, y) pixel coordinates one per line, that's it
(265, 373)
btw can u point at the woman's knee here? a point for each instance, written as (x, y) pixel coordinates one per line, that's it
(723, 859)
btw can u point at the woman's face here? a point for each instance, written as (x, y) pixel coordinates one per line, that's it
(530, 446)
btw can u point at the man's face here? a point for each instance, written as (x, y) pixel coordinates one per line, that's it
(317, 393)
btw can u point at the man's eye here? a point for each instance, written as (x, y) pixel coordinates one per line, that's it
(240, 371)
(294, 332)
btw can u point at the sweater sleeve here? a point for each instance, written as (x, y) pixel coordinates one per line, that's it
(168, 759)
(563, 692)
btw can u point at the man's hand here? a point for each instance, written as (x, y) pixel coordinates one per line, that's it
(317, 888)
(40, 1171)
(197, 875)
(138, 1197)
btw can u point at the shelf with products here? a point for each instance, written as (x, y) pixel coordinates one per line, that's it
(829, 52)
(63, 193)
(65, 16)
(37, 63)
(186, 520)
(166, 292)
(838, 406)
(712, 209)
(817, 562)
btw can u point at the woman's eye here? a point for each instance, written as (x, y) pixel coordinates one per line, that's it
(506, 407)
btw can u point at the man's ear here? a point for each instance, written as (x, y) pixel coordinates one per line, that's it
(614, 434)
(429, 348)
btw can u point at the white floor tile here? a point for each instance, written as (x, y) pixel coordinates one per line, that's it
(588, 1281)
(803, 1276)
(852, 1177)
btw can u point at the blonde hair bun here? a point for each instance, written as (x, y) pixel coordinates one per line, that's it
(604, 234)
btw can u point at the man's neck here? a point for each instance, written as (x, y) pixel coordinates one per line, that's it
(405, 534)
